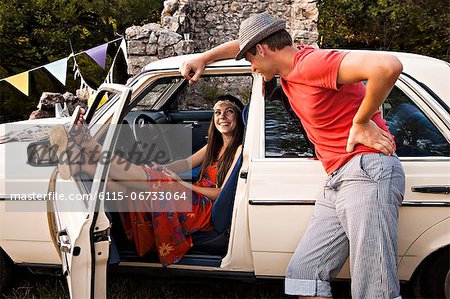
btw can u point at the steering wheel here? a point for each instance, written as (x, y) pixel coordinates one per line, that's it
(151, 141)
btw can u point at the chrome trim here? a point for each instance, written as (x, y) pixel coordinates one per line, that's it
(425, 159)
(426, 203)
(308, 159)
(30, 197)
(312, 202)
(428, 100)
(281, 202)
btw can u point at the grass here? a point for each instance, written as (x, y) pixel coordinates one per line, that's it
(28, 285)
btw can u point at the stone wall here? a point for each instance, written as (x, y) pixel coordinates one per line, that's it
(213, 22)
(189, 26)
(152, 42)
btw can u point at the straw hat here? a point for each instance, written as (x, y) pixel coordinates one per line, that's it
(255, 29)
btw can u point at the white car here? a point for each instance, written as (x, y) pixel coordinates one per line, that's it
(264, 209)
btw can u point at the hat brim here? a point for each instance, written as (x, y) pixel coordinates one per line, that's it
(262, 34)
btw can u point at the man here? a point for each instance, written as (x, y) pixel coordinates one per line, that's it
(358, 214)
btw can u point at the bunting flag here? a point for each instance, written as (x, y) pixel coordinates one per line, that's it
(77, 74)
(58, 69)
(110, 76)
(20, 81)
(98, 54)
(123, 46)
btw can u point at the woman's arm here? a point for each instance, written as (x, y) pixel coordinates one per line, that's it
(187, 164)
(210, 192)
(236, 157)
(213, 193)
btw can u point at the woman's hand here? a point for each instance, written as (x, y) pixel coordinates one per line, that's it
(171, 174)
(158, 167)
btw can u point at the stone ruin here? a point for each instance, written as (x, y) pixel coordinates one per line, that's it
(189, 26)
(48, 100)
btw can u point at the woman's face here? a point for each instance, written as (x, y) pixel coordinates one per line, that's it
(225, 117)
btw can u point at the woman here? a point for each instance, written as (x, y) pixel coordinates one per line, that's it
(170, 232)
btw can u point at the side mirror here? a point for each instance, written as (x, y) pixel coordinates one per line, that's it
(41, 154)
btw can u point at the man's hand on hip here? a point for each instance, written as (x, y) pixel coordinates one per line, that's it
(370, 135)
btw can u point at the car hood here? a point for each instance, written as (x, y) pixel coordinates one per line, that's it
(29, 130)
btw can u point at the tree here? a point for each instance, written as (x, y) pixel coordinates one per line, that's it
(416, 26)
(36, 32)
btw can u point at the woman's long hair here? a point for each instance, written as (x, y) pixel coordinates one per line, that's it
(215, 143)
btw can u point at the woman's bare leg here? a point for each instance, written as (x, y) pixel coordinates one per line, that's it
(111, 185)
(121, 171)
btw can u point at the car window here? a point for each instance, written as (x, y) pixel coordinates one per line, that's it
(415, 134)
(284, 133)
(154, 92)
(201, 96)
(153, 116)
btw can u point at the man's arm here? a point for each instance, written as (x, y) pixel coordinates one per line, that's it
(193, 69)
(380, 71)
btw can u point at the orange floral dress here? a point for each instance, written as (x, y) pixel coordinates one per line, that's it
(169, 233)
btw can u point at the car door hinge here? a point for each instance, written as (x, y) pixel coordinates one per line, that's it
(63, 240)
(103, 235)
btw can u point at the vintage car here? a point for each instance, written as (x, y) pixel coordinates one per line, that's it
(263, 209)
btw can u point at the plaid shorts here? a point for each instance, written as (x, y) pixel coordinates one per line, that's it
(357, 217)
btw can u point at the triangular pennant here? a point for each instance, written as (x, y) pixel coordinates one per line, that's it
(123, 46)
(98, 54)
(109, 77)
(84, 85)
(58, 69)
(19, 81)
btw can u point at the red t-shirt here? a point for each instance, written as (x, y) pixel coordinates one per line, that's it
(326, 109)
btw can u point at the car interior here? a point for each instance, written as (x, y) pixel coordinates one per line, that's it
(151, 117)
(415, 134)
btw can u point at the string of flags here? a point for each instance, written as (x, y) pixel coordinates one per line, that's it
(59, 68)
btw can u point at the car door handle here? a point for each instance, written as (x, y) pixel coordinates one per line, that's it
(444, 189)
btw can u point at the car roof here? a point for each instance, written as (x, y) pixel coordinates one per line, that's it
(176, 61)
(432, 72)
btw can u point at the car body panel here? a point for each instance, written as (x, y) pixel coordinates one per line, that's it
(432, 239)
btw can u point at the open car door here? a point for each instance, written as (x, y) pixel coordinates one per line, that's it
(78, 223)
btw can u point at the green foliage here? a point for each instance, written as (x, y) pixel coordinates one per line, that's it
(36, 32)
(210, 93)
(416, 26)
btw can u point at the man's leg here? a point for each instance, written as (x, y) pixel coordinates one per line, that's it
(321, 253)
(369, 195)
